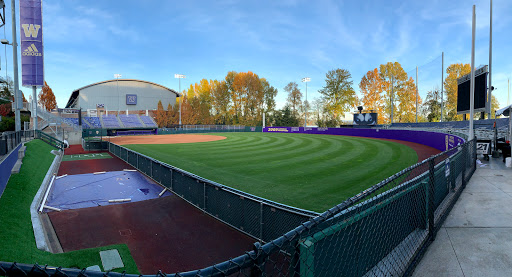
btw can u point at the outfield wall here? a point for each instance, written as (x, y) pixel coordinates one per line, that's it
(439, 141)
(6, 166)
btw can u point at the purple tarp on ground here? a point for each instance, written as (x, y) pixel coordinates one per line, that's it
(438, 141)
(91, 190)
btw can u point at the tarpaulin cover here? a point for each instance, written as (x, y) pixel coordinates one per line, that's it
(90, 190)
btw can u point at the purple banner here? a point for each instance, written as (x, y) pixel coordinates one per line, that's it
(31, 33)
(438, 141)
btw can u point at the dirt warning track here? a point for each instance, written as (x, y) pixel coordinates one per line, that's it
(163, 139)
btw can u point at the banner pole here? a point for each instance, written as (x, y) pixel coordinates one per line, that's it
(34, 106)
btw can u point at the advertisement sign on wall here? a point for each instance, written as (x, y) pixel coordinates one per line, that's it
(31, 33)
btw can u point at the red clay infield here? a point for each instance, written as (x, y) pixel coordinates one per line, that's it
(164, 139)
(91, 166)
(77, 149)
(165, 233)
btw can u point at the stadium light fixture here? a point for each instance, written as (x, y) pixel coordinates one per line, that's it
(117, 76)
(306, 80)
(179, 77)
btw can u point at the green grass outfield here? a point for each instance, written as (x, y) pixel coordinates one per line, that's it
(313, 172)
(17, 242)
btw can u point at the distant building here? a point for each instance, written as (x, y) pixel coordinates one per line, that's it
(121, 95)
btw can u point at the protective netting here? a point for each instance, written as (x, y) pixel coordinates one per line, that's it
(382, 231)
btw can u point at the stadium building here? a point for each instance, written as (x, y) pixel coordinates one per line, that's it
(121, 96)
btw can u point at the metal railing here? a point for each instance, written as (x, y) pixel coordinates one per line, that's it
(11, 140)
(50, 140)
(51, 118)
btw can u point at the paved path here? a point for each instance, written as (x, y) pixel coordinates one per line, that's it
(476, 238)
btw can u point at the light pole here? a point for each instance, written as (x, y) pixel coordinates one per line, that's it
(306, 80)
(18, 102)
(117, 76)
(179, 77)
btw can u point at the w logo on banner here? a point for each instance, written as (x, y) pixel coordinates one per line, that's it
(31, 30)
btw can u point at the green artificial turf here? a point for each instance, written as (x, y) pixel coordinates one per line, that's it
(90, 156)
(313, 172)
(17, 242)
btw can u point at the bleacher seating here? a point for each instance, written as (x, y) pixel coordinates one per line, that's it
(147, 121)
(94, 122)
(71, 121)
(131, 121)
(110, 121)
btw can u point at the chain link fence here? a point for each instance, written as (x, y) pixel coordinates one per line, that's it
(382, 231)
(258, 217)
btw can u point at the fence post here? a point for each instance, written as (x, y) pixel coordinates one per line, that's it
(261, 221)
(204, 197)
(431, 196)
(464, 165)
(259, 261)
(172, 173)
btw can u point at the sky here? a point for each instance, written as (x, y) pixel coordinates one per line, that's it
(283, 41)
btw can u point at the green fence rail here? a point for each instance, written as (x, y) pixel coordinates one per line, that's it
(50, 140)
(191, 129)
(382, 231)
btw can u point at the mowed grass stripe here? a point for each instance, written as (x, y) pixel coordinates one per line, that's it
(313, 172)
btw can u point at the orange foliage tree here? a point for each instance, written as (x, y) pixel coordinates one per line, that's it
(47, 98)
(372, 86)
(454, 71)
(161, 115)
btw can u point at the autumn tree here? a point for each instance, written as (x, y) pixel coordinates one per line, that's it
(338, 94)
(47, 98)
(269, 99)
(172, 114)
(407, 97)
(294, 99)
(495, 104)
(249, 97)
(372, 86)
(220, 101)
(161, 115)
(6, 109)
(432, 105)
(454, 72)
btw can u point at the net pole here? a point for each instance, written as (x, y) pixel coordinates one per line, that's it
(416, 94)
(442, 84)
(472, 84)
(490, 65)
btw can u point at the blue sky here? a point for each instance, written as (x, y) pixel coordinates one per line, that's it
(282, 41)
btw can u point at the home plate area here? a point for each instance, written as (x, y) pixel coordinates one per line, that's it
(99, 200)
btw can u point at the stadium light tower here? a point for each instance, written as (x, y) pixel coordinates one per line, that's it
(306, 80)
(117, 76)
(179, 77)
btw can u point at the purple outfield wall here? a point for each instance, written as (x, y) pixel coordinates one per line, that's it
(438, 141)
(6, 166)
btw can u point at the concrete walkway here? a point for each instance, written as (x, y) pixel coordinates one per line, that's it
(476, 238)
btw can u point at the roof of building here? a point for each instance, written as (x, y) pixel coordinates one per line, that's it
(75, 93)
